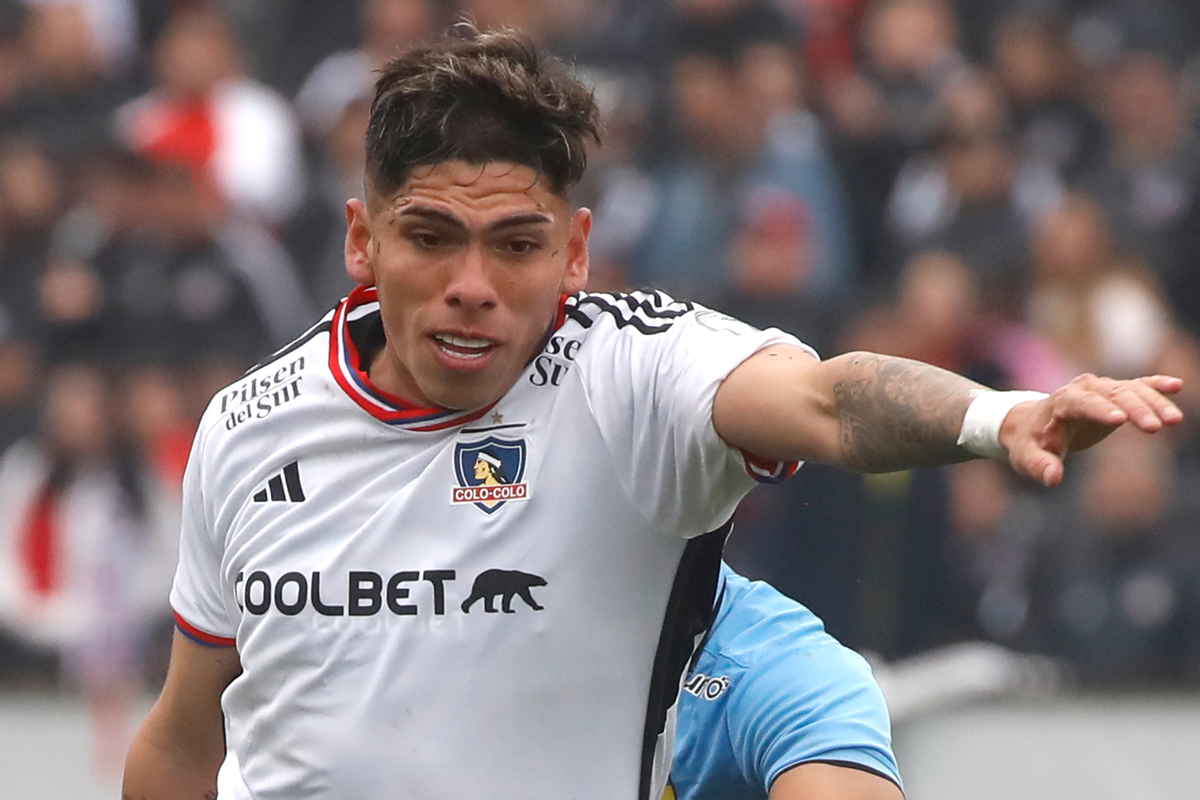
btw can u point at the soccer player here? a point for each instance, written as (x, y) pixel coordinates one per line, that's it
(777, 708)
(335, 538)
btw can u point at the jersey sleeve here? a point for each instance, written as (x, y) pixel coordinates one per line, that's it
(197, 597)
(805, 703)
(651, 375)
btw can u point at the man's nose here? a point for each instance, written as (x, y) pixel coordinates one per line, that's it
(470, 284)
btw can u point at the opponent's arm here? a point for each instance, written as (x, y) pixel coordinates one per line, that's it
(179, 747)
(877, 413)
(819, 781)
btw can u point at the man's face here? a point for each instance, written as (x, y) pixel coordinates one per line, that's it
(469, 262)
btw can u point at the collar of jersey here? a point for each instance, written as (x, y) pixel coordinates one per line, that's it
(349, 373)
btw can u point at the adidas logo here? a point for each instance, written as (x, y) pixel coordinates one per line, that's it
(284, 487)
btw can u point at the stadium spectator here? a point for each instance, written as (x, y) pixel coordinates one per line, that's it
(1104, 576)
(830, 29)
(733, 153)
(576, 29)
(937, 317)
(1117, 577)
(386, 26)
(86, 547)
(973, 195)
(1148, 178)
(74, 70)
(1035, 65)
(912, 54)
(332, 105)
(617, 187)
(13, 67)
(316, 232)
(152, 268)
(18, 360)
(31, 200)
(228, 128)
(83, 305)
(770, 262)
(1104, 312)
(883, 112)
(30, 197)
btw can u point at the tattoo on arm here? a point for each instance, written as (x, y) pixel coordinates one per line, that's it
(895, 413)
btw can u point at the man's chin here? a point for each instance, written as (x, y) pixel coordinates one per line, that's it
(464, 398)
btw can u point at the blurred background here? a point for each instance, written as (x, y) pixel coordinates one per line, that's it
(1006, 188)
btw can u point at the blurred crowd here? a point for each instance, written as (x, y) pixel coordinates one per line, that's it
(1006, 188)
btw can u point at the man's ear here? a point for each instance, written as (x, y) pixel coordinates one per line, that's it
(576, 276)
(359, 243)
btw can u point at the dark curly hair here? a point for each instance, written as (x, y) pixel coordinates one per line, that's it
(479, 97)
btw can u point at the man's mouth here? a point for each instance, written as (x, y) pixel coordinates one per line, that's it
(463, 346)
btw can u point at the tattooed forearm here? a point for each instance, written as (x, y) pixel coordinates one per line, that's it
(894, 413)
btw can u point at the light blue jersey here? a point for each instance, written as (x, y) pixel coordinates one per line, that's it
(771, 690)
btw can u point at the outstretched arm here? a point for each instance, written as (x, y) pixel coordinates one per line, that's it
(179, 748)
(876, 413)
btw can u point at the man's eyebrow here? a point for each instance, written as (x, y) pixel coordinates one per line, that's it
(426, 211)
(516, 220)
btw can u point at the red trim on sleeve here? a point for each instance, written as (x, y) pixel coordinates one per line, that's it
(767, 471)
(196, 635)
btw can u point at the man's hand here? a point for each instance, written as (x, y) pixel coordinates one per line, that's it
(1038, 435)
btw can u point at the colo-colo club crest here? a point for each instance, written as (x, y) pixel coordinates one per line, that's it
(489, 473)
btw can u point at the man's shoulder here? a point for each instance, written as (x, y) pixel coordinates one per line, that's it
(272, 387)
(643, 312)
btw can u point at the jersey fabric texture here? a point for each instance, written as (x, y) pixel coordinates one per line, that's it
(770, 690)
(497, 603)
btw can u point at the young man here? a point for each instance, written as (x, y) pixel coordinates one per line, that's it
(777, 708)
(335, 538)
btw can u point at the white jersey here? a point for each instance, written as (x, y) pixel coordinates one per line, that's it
(432, 604)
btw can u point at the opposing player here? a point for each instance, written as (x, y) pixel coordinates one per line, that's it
(777, 708)
(332, 530)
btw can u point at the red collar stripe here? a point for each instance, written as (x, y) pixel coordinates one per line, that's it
(347, 369)
(561, 316)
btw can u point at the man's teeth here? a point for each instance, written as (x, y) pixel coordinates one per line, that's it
(462, 341)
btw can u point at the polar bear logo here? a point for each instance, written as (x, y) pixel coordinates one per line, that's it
(506, 584)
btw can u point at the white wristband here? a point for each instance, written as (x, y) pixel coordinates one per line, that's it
(981, 425)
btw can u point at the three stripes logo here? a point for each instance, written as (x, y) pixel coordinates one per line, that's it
(646, 312)
(283, 487)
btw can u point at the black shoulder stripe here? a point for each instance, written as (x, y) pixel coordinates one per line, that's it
(583, 319)
(323, 326)
(655, 305)
(649, 316)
